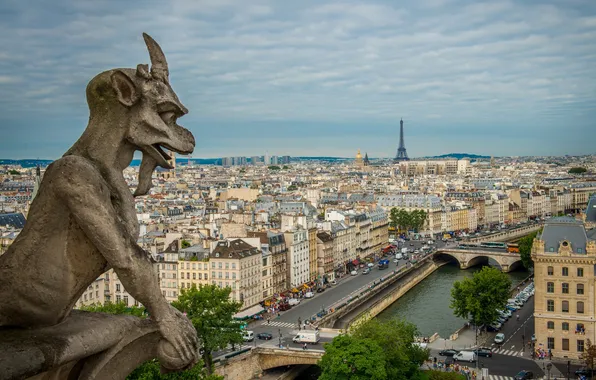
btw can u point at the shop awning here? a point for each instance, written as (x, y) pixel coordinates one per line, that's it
(355, 262)
(254, 310)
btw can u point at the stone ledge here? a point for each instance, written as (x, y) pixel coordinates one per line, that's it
(84, 346)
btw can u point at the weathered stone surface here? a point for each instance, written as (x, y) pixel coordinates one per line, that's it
(83, 222)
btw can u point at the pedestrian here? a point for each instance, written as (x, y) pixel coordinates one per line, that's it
(517, 317)
(268, 320)
(304, 347)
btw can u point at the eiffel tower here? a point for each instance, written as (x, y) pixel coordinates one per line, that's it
(402, 155)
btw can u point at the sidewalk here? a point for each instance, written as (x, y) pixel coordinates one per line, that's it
(466, 339)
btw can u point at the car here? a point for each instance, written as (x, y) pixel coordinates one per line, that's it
(333, 282)
(533, 337)
(448, 352)
(320, 290)
(412, 244)
(493, 328)
(285, 307)
(499, 338)
(248, 336)
(354, 272)
(366, 271)
(309, 295)
(584, 371)
(484, 351)
(524, 375)
(449, 361)
(370, 265)
(264, 336)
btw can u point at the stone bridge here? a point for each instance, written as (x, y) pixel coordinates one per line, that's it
(252, 363)
(467, 258)
(507, 235)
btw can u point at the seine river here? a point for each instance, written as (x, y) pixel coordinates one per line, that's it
(427, 304)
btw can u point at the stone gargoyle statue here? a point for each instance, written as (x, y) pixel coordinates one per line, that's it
(82, 223)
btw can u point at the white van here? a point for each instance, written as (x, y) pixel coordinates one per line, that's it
(304, 336)
(248, 336)
(465, 356)
(399, 256)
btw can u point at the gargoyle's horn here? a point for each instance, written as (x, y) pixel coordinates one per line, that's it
(159, 65)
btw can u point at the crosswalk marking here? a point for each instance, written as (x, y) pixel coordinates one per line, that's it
(508, 352)
(497, 377)
(281, 324)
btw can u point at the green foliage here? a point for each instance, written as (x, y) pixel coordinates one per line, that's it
(525, 249)
(374, 350)
(347, 357)
(589, 355)
(274, 167)
(577, 170)
(285, 167)
(116, 308)
(481, 295)
(14, 172)
(211, 312)
(185, 243)
(151, 371)
(292, 187)
(413, 220)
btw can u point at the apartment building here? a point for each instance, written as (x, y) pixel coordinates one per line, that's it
(237, 265)
(297, 243)
(167, 264)
(193, 266)
(431, 204)
(564, 276)
(106, 288)
(325, 264)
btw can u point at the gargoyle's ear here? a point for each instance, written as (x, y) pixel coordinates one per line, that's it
(125, 88)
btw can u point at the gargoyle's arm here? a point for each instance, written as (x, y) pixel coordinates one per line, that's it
(81, 188)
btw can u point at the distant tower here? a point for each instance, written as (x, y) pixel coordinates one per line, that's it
(171, 173)
(402, 155)
(358, 162)
(492, 162)
(366, 161)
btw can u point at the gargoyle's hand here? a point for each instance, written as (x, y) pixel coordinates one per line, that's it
(177, 329)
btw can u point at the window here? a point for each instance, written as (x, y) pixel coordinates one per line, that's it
(188, 275)
(194, 276)
(580, 272)
(565, 306)
(550, 271)
(551, 343)
(550, 325)
(181, 274)
(580, 307)
(580, 288)
(565, 326)
(565, 344)
(550, 287)
(565, 271)
(580, 345)
(219, 265)
(550, 305)
(118, 298)
(117, 287)
(126, 300)
(565, 288)
(213, 264)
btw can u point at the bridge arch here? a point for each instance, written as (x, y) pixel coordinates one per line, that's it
(444, 256)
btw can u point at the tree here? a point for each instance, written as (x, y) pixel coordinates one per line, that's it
(116, 308)
(348, 357)
(285, 167)
(577, 170)
(417, 217)
(292, 187)
(525, 249)
(274, 167)
(480, 296)
(404, 218)
(589, 354)
(211, 312)
(394, 218)
(14, 172)
(403, 358)
(184, 243)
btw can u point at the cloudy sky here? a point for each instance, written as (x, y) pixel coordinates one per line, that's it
(315, 77)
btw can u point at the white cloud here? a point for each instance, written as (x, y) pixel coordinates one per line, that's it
(442, 65)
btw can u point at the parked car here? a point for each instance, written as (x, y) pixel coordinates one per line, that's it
(285, 307)
(484, 351)
(370, 265)
(294, 301)
(499, 338)
(523, 375)
(584, 371)
(320, 290)
(309, 295)
(448, 352)
(264, 336)
(333, 282)
(354, 272)
(366, 271)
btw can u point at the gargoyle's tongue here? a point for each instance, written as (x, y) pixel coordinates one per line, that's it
(148, 165)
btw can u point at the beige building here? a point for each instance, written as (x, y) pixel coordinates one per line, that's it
(325, 257)
(193, 267)
(312, 252)
(106, 288)
(564, 307)
(167, 265)
(237, 265)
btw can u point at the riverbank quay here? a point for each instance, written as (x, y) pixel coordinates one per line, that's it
(329, 316)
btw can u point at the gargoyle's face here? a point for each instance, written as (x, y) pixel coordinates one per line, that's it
(153, 123)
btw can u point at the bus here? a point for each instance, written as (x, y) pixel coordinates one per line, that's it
(490, 244)
(383, 264)
(467, 246)
(512, 248)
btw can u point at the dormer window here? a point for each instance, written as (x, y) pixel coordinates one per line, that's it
(217, 254)
(565, 243)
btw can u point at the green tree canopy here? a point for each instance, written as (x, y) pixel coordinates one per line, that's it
(211, 312)
(347, 357)
(116, 308)
(480, 296)
(402, 219)
(577, 170)
(525, 249)
(185, 243)
(14, 172)
(374, 350)
(274, 167)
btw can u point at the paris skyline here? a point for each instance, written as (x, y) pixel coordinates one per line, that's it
(320, 78)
